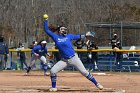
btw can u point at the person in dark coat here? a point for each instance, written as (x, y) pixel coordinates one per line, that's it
(21, 56)
(92, 57)
(4, 52)
(116, 45)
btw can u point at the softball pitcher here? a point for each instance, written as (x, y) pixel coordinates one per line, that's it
(39, 52)
(69, 57)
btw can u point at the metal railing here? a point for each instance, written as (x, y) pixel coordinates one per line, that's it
(109, 63)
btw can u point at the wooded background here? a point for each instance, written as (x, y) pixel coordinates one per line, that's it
(21, 20)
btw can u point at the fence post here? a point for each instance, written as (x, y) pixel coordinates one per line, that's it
(11, 60)
(110, 64)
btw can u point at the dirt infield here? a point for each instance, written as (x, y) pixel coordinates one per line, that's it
(68, 82)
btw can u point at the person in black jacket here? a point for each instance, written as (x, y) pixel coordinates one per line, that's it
(92, 57)
(115, 42)
(4, 52)
(79, 44)
(21, 56)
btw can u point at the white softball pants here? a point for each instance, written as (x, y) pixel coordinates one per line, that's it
(74, 61)
(34, 58)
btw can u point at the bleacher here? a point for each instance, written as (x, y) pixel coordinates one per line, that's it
(106, 62)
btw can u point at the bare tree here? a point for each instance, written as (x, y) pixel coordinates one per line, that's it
(24, 17)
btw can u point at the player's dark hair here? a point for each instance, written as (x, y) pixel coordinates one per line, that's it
(53, 28)
(39, 43)
(58, 27)
(1, 38)
(33, 42)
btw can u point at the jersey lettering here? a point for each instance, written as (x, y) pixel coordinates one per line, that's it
(62, 40)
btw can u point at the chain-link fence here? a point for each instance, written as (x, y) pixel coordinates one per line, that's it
(128, 32)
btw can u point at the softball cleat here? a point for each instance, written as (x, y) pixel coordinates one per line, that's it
(53, 89)
(26, 74)
(99, 86)
(46, 74)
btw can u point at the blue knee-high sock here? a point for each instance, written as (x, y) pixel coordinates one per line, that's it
(53, 80)
(92, 79)
(45, 68)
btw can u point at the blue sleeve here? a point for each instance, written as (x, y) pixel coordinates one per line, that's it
(34, 49)
(75, 37)
(50, 33)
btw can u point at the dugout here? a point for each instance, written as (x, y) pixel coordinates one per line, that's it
(105, 60)
(128, 32)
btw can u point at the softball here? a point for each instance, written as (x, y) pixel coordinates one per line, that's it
(45, 16)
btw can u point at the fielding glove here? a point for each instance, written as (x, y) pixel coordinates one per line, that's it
(92, 34)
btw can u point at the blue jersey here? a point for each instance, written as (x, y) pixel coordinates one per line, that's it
(63, 43)
(42, 51)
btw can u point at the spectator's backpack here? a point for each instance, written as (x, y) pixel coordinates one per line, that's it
(3, 48)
